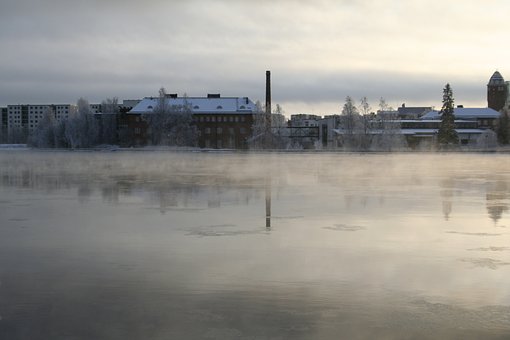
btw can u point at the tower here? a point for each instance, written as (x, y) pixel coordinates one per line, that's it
(497, 92)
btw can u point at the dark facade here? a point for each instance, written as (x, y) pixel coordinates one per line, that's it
(132, 130)
(3, 125)
(497, 92)
(224, 130)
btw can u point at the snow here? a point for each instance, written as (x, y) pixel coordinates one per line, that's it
(465, 113)
(201, 105)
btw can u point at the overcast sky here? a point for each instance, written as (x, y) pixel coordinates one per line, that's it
(55, 51)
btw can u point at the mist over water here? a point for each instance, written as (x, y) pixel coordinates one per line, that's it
(164, 245)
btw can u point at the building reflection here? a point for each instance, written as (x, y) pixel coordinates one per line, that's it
(497, 199)
(447, 187)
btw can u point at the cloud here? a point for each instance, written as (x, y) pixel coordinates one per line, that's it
(318, 50)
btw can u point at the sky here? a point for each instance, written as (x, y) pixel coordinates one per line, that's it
(319, 52)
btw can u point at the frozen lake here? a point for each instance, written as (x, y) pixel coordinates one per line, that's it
(162, 245)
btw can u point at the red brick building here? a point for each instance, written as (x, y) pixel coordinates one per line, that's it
(222, 122)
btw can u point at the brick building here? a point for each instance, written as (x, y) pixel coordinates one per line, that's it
(222, 122)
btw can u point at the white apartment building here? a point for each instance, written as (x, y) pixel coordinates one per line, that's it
(29, 116)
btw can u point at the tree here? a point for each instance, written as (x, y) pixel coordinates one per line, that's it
(351, 124)
(81, 128)
(388, 124)
(503, 128)
(447, 134)
(172, 124)
(44, 134)
(108, 127)
(156, 120)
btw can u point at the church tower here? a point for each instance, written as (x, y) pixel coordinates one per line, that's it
(497, 92)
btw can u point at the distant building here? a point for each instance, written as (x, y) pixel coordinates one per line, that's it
(485, 117)
(327, 125)
(304, 120)
(27, 117)
(497, 92)
(3, 124)
(222, 122)
(412, 112)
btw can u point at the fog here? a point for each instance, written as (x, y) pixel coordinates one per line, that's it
(162, 245)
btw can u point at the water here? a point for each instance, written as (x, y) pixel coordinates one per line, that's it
(132, 245)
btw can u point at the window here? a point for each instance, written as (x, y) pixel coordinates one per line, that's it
(231, 131)
(242, 131)
(219, 130)
(219, 107)
(149, 107)
(137, 131)
(196, 107)
(207, 130)
(213, 119)
(237, 119)
(242, 107)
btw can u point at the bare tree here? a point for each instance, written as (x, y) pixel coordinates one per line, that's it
(388, 125)
(82, 129)
(44, 134)
(108, 126)
(350, 122)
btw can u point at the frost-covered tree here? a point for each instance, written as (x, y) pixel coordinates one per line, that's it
(180, 128)
(261, 137)
(351, 124)
(108, 126)
(156, 120)
(172, 124)
(82, 129)
(388, 125)
(447, 134)
(43, 135)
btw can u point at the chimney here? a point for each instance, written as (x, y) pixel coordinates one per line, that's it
(268, 92)
(268, 102)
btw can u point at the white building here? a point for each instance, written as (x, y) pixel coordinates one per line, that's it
(28, 116)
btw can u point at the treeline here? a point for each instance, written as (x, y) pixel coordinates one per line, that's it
(81, 130)
(362, 129)
(167, 125)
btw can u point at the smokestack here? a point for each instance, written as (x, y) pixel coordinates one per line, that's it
(268, 92)
(268, 103)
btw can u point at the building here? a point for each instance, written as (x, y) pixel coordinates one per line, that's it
(23, 119)
(222, 122)
(412, 112)
(497, 92)
(304, 120)
(3, 124)
(485, 117)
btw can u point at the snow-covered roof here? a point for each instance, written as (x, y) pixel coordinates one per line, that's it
(417, 132)
(200, 105)
(465, 113)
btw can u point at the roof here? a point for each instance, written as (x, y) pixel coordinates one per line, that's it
(417, 132)
(200, 105)
(464, 113)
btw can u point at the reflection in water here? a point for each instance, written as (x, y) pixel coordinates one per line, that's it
(447, 186)
(497, 199)
(170, 246)
(268, 201)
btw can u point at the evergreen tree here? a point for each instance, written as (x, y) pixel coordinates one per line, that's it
(447, 134)
(503, 128)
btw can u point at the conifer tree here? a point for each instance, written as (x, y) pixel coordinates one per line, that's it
(503, 128)
(447, 134)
